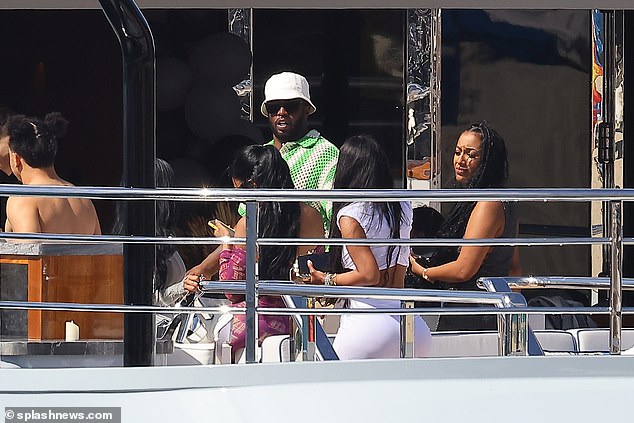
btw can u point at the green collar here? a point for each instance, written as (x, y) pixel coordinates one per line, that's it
(307, 141)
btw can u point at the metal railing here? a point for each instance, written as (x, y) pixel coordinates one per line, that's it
(511, 331)
(507, 284)
(252, 287)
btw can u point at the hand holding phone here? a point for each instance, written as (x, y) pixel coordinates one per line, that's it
(220, 228)
(321, 262)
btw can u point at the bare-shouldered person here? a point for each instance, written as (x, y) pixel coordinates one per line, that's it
(32, 150)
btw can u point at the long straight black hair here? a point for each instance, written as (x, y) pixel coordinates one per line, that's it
(363, 165)
(491, 173)
(166, 218)
(262, 166)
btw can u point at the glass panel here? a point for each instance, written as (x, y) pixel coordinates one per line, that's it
(527, 72)
(13, 287)
(353, 60)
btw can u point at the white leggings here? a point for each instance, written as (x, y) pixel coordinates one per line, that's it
(376, 335)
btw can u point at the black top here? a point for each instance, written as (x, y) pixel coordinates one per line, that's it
(498, 260)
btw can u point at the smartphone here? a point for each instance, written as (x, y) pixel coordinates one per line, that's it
(217, 222)
(321, 262)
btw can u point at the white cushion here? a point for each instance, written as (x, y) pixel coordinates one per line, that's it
(464, 344)
(556, 341)
(275, 349)
(598, 340)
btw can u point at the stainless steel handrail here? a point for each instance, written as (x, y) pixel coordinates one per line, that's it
(124, 308)
(552, 282)
(123, 239)
(616, 310)
(281, 195)
(405, 294)
(252, 197)
(512, 331)
(506, 301)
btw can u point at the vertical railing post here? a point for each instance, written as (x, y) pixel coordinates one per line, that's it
(519, 338)
(513, 328)
(407, 331)
(503, 334)
(308, 332)
(251, 291)
(606, 150)
(616, 277)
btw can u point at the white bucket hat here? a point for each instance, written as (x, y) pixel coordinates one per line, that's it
(286, 86)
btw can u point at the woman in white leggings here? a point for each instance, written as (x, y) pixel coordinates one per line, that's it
(363, 164)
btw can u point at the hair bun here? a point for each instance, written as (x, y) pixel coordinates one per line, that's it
(56, 124)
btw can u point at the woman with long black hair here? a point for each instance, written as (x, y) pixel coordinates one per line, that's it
(170, 269)
(479, 162)
(262, 166)
(363, 165)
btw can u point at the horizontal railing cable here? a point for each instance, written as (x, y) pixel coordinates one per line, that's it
(511, 326)
(431, 242)
(338, 195)
(121, 308)
(557, 282)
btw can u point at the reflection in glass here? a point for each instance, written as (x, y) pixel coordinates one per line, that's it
(353, 60)
(240, 25)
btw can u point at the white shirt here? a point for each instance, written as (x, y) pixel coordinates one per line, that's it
(376, 227)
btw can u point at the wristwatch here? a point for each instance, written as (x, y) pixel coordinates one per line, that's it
(330, 279)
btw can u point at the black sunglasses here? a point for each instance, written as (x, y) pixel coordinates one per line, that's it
(291, 106)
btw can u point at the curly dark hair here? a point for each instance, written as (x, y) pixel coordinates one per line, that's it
(35, 140)
(262, 166)
(4, 121)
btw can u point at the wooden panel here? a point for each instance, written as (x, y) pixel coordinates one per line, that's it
(13, 260)
(83, 279)
(94, 279)
(35, 295)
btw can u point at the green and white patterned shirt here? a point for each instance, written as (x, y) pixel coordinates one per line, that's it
(312, 160)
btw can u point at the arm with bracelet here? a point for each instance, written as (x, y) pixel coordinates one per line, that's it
(366, 272)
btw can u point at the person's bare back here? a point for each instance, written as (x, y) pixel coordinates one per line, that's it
(32, 149)
(52, 215)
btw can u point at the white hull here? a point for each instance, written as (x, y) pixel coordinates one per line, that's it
(500, 389)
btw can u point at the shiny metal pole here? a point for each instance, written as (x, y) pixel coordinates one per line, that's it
(503, 324)
(422, 95)
(139, 153)
(407, 331)
(309, 346)
(519, 334)
(251, 288)
(606, 152)
(616, 276)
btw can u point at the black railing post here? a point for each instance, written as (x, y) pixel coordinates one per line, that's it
(139, 99)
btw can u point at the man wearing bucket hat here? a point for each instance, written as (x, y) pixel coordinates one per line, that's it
(311, 158)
